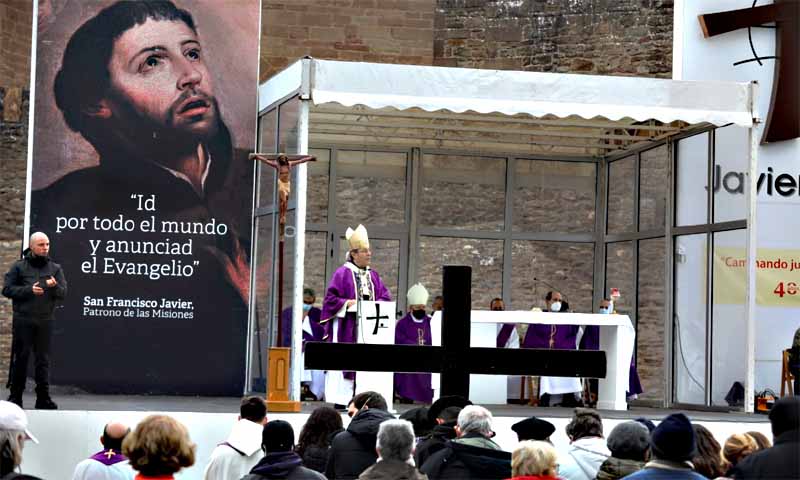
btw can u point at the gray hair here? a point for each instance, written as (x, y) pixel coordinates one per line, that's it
(12, 441)
(474, 418)
(395, 440)
(37, 235)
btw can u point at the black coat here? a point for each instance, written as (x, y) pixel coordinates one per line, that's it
(18, 286)
(780, 461)
(315, 457)
(284, 466)
(434, 442)
(467, 462)
(353, 450)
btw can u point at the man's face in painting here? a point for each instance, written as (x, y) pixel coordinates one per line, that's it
(160, 85)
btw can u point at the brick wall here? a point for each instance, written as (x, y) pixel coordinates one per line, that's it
(15, 42)
(606, 37)
(387, 31)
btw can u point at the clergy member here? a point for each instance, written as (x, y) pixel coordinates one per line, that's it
(414, 329)
(350, 284)
(313, 331)
(557, 337)
(507, 337)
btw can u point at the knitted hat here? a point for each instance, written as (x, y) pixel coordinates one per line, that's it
(629, 440)
(277, 436)
(674, 439)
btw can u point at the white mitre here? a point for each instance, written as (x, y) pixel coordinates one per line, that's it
(357, 238)
(417, 295)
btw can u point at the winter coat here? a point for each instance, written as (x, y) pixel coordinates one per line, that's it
(666, 470)
(583, 458)
(18, 286)
(353, 450)
(282, 465)
(472, 456)
(434, 442)
(614, 468)
(315, 457)
(779, 461)
(392, 470)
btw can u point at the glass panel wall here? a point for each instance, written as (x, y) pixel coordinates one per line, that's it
(653, 178)
(650, 326)
(621, 187)
(691, 187)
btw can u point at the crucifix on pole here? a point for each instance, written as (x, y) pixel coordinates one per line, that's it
(455, 359)
(283, 164)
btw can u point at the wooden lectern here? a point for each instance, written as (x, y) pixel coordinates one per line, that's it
(278, 383)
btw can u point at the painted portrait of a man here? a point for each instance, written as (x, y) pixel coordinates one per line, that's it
(162, 215)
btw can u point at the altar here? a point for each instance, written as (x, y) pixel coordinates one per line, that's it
(617, 337)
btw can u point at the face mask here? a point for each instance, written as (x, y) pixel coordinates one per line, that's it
(418, 314)
(555, 306)
(306, 307)
(604, 310)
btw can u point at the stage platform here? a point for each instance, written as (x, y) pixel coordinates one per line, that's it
(71, 434)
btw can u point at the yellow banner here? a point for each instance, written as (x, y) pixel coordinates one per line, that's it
(777, 277)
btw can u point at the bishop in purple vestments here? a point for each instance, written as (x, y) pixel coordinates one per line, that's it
(351, 282)
(414, 329)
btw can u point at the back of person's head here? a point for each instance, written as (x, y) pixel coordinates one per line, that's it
(113, 435)
(785, 415)
(533, 457)
(322, 422)
(84, 78)
(13, 433)
(443, 403)
(586, 422)
(707, 461)
(647, 423)
(159, 446)
(253, 409)
(419, 420)
(674, 439)
(450, 414)
(533, 428)
(630, 441)
(738, 446)
(277, 436)
(761, 440)
(475, 419)
(371, 400)
(395, 440)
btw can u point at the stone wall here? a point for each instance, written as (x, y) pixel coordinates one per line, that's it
(385, 31)
(15, 42)
(606, 37)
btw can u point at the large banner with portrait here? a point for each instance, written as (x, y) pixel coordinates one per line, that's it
(144, 113)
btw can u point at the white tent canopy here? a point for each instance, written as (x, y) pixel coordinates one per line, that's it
(549, 114)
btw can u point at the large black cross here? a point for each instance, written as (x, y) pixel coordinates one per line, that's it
(378, 317)
(783, 120)
(455, 359)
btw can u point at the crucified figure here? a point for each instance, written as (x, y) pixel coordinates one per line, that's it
(283, 164)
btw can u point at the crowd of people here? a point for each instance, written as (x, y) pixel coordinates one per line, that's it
(453, 439)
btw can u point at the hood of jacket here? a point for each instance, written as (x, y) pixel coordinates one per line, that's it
(589, 453)
(277, 465)
(445, 430)
(482, 462)
(392, 470)
(364, 426)
(614, 468)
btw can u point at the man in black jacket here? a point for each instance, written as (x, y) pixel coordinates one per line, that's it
(781, 460)
(473, 455)
(353, 450)
(443, 415)
(35, 285)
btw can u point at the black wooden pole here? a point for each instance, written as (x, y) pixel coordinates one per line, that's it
(456, 328)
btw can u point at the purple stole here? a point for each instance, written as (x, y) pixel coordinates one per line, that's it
(108, 457)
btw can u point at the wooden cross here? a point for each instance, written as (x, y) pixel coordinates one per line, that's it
(455, 359)
(783, 120)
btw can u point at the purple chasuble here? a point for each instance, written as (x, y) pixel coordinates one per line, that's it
(108, 457)
(318, 331)
(591, 341)
(414, 386)
(342, 288)
(564, 337)
(505, 334)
